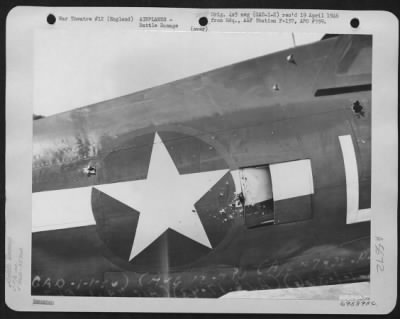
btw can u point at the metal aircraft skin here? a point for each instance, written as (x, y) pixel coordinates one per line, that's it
(297, 122)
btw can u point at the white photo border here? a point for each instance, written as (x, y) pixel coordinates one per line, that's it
(20, 31)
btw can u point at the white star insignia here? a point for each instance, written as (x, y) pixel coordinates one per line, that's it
(165, 200)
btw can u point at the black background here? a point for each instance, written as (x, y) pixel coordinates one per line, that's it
(6, 5)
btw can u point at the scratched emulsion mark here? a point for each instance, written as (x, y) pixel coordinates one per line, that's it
(301, 271)
(65, 150)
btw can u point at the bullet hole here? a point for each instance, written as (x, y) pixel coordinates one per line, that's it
(240, 198)
(51, 19)
(358, 108)
(354, 23)
(203, 21)
(275, 87)
(290, 59)
(90, 170)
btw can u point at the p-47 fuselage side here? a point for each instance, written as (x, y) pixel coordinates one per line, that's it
(252, 176)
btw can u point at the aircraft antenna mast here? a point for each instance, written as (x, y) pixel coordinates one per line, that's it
(294, 40)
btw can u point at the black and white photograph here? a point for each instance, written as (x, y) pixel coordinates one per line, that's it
(226, 166)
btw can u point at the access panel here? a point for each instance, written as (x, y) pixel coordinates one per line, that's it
(277, 193)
